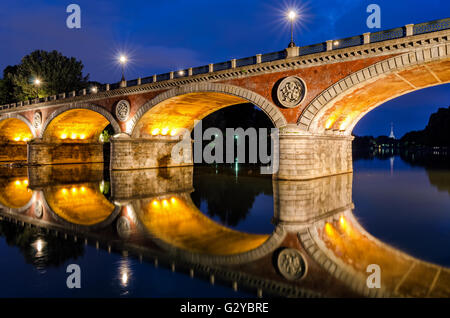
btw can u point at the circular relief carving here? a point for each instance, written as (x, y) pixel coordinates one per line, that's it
(38, 209)
(291, 91)
(122, 110)
(37, 120)
(291, 264)
(123, 227)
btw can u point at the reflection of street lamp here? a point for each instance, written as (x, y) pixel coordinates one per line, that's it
(291, 16)
(37, 82)
(123, 60)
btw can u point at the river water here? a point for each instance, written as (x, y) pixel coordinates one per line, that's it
(211, 212)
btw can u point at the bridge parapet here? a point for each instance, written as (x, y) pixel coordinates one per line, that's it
(241, 64)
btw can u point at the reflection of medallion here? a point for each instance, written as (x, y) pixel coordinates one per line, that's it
(123, 227)
(291, 264)
(38, 209)
(291, 91)
(37, 120)
(122, 110)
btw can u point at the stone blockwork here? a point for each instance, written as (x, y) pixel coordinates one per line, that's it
(306, 201)
(133, 153)
(306, 156)
(13, 152)
(43, 153)
(136, 184)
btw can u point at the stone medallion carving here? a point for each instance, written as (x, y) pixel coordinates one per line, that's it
(37, 120)
(123, 110)
(291, 264)
(291, 91)
(38, 209)
(123, 227)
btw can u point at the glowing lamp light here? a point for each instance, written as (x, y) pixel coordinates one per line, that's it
(292, 15)
(181, 73)
(336, 43)
(124, 278)
(37, 81)
(173, 200)
(17, 139)
(25, 182)
(155, 203)
(17, 183)
(83, 189)
(165, 203)
(94, 89)
(74, 190)
(164, 131)
(173, 132)
(64, 191)
(26, 139)
(73, 136)
(155, 131)
(123, 59)
(82, 136)
(63, 136)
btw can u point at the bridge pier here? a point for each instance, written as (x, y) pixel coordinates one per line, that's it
(142, 153)
(299, 202)
(42, 152)
(304, 156)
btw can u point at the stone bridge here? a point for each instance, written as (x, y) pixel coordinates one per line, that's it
(315, 95)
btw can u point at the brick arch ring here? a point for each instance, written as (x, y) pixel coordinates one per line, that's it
(94, 108)
(261, 102)
(20, 117)
(391, 65)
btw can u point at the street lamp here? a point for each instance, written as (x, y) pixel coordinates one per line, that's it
(123, 60)
(37, 82)
(292, 15)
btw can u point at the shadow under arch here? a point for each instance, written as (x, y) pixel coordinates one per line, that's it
(179, 107)
(342, 105)
(79, 207)
(85, 120)
(183, 230)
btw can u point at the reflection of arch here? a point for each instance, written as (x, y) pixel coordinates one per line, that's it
(192, 236)
(79, 206)
(13, 207)
(179, 107)
(86, 112)
(343, 104)
(345, 249)
(12, 116)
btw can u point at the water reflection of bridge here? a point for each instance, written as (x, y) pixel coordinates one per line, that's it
(316, 249)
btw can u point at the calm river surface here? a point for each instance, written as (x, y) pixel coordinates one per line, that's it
(405, 206)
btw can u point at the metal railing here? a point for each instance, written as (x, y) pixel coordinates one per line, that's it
(380, 36)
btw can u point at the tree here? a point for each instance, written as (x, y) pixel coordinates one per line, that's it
(57, 73)
(7, 85)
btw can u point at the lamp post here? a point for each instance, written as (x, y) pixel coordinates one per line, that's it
(37, 82)
(123, 60)
(291, 16)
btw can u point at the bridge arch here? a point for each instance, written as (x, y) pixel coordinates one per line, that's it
(86, 122)
(342, 105)
(11, 124)
(182, 105)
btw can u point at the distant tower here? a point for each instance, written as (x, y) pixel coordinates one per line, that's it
(391, 135)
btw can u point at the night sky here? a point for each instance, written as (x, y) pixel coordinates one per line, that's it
(162, 36)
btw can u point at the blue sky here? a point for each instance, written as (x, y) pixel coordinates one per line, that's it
(161, 36)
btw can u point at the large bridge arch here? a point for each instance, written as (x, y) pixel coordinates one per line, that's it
(91, 120)
(15, 132)
(20, 122)
(182, 105)
(342, 105)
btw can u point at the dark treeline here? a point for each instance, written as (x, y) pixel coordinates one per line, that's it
(435, 136)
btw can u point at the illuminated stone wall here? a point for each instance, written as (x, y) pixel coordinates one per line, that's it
(40, 152)
(13, 152)
(129, 153)
(303, 157)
